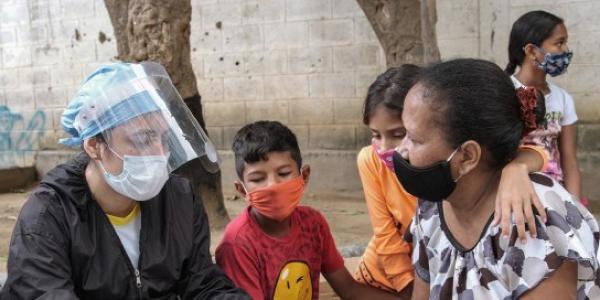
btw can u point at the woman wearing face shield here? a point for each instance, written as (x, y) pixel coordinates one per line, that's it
(113, 223)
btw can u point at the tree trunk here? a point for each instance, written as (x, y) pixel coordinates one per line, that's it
(156, 30)
(431, 52)
(405, 29)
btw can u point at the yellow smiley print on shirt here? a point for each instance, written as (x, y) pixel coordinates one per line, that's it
(294, 282)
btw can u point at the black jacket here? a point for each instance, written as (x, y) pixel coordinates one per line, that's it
(64, 247)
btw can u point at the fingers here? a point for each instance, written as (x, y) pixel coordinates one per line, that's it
(520, 223)
(530, 218)
(497, 212)
(505, 218)
(535, 200)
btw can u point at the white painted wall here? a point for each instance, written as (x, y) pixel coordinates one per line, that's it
(307, 63)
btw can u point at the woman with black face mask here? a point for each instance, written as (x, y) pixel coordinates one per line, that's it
(464, 122)
(538, 46)
(386, 263)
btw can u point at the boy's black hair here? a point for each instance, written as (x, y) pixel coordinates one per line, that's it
(474, 99)
(531, 28)
(254, 141)
(390, 89)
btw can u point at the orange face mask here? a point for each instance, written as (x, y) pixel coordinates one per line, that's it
(278, 201)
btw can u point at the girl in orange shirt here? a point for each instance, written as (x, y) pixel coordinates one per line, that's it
(386, 263)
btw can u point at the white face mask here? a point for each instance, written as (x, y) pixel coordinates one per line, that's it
(142, 177)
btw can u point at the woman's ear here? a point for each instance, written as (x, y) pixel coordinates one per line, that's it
(305, 173)
(470, 155)
(92, 148)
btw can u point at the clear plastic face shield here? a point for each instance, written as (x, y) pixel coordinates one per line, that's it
(146, 117)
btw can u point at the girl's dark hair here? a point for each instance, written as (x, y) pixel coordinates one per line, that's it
(533, 108)
(531, 28)
(474, 99)
(540, 110)
(390, 89)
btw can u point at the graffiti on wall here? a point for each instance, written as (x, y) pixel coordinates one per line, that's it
(18, 136)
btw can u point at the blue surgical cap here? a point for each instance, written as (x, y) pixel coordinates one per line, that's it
(88, 102)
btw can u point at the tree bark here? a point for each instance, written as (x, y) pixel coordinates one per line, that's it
(404, 33)
(431, 52)
(157, 30)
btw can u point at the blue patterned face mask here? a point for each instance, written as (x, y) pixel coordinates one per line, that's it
(555, 64)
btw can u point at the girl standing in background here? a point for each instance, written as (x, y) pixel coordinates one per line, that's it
(538, 46)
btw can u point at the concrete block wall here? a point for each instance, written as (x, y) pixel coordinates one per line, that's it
(483, 30)
(305, 63)
(46, 47)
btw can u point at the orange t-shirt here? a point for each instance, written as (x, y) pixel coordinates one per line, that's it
(386, 263)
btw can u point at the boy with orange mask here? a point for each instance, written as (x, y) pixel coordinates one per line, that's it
(276, 249)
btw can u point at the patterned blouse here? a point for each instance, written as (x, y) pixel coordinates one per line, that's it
(498, 268)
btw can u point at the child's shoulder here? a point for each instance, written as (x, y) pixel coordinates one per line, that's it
(365, 154)
(311, 217)
(558, 92)
(305, 212)
(367, 159)
(238, 228)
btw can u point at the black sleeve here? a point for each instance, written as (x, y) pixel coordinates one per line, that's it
(203, 279)
(38, 262)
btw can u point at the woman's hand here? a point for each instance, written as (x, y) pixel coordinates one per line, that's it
(516, 195)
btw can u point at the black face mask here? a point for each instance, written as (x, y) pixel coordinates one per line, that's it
(433, 183)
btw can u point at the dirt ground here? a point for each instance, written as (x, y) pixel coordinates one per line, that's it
(346, 214)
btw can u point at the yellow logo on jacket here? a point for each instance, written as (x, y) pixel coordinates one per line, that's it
(294, 282)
